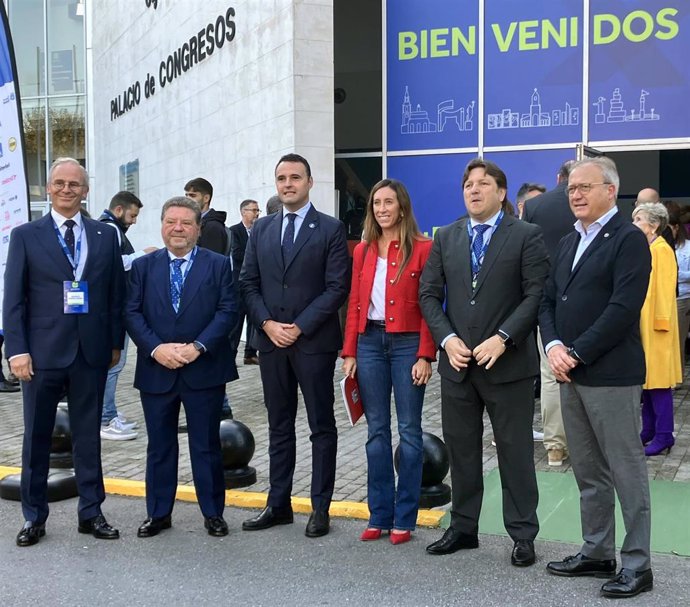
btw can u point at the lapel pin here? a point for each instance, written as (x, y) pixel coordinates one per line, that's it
(312, 225)
(97, 232)
(606, 234)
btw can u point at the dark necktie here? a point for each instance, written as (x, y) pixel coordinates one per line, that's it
(477, 246)
(69, 235)
(176, 282)
(289, 236)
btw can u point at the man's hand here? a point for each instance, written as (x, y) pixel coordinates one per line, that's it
(421, 372)
(349, 366)
(489, 351)
(22, 367)
(282, 334)
(188, 352)
(459, 354)
(169, 356)
(114, 358)
(561, 362)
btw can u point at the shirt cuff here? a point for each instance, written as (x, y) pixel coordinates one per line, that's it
(551, 344)
(445, 340)
(17, 355)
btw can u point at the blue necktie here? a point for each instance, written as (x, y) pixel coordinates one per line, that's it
(69, 235)
(477, 246)
(289, 236)
(176, 280)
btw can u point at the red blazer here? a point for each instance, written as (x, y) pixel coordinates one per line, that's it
(402, 298)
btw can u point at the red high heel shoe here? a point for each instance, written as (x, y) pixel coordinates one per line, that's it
(370, 534)
(400, 537)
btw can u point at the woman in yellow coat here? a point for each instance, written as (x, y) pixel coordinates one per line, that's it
(659, 331)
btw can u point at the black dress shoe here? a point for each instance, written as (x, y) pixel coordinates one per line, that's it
(99, 528)
(452, 541)
(251, 360)
(6, 386)
(30, 533)
(12, 379)
(153, 526)
(216, 526)
(579, 565)
(318, 524)
(523, 553)
(268, 517)
(628, 583)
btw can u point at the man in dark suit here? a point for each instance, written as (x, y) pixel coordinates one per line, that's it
(590, 326)
(294, 280)
(489, 269)
(62, 314)
(249, 213)
(179, 311)
(551, 212)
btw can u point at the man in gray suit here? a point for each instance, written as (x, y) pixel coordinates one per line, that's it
(490, 270)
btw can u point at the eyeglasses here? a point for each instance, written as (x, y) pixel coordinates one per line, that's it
(255, 211)
(59, 184)
(585, 188)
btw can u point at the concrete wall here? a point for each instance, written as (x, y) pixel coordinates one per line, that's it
(228, 118)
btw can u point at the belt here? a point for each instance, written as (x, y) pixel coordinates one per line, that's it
(376, 323)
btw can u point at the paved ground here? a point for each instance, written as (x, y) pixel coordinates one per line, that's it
(126, 459)
(184, 566)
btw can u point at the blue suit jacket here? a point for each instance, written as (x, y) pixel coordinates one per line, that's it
(308, 289)
(207, 313)
(33, 317)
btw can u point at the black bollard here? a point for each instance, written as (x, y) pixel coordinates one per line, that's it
(435, 467)
(62, 484)
(237, 444)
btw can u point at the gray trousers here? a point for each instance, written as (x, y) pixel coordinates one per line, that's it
(602, 425)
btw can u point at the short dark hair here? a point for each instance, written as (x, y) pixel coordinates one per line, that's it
(526, 188)
(246, 203)
(273, 204)
(182, 201)
(126, 200)
(294, 158)
(490, 168)
(199, 184)
(564, 171)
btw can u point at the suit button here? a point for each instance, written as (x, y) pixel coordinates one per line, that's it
(564, 298)
(393, 263)
(392, 302)
(397, 246)
(391, 319)
(472, 302)
(412, 274)
(359, 308)
(392, 280)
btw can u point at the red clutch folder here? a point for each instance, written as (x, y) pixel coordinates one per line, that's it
(352, 398)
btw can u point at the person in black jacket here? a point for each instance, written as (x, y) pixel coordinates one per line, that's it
(214, 236)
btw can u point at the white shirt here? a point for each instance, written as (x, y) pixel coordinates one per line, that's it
(299, 220)
(127, 260)
(79, 232)
(377, 305)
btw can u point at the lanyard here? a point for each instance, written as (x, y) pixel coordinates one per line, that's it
(476, 263)
(188, 266)
(73, 261)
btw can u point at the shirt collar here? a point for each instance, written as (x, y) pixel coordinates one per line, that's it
(599, 223)
(61, 219)
(489, 222)
(302, 213)
(185, 257)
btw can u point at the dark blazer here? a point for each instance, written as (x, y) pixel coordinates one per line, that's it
(551, 212)
(595, 307)
(207, 312)
(509, 289)
(239, 245)
(308, 289)
(33, 318)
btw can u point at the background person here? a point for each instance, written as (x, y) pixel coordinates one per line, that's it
(659, 331)
(389, 346)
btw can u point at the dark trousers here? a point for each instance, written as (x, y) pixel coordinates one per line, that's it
(282, 371)
(202, 410)
(85, 386)
(511, 409)
(236, 333)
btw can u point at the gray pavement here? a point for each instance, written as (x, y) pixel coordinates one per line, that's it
(279, 566)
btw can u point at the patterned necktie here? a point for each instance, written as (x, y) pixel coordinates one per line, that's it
(289, 236)
(69, 235)
(176, 282)
(477, 246)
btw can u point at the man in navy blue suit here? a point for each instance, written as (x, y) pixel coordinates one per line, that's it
(62, 315)
(179, 311)
(294, 279)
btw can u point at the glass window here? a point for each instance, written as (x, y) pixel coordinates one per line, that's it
(34, 117)
(65, 47)
(354, 178)
(66, 128)
(26, 22)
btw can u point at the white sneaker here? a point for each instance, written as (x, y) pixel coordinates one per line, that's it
(537, 436)
(126, 422)
(115, 430)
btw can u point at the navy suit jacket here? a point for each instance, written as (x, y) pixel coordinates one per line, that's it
(595, 307)
(239, 246)
(34, 321)
(207, 313)
(551, 211)
(308, 289)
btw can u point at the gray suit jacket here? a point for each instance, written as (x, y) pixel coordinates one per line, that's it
(507, 295)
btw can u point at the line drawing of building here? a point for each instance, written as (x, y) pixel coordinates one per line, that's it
(536, 117)
(617, 111)
(418, 121)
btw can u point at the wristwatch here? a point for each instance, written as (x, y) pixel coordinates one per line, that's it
(507, 339)
(571, 352)
(199, 347)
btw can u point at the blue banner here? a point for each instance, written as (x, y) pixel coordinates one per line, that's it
(639, 74)
(533, 72)
(432, 74)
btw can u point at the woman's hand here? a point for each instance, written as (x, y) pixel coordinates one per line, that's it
(349, 366)
(421, 372)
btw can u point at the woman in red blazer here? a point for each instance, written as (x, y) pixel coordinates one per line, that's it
(389, 346)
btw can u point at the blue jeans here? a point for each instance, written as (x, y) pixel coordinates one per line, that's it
(384, 361)
(109, 408)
